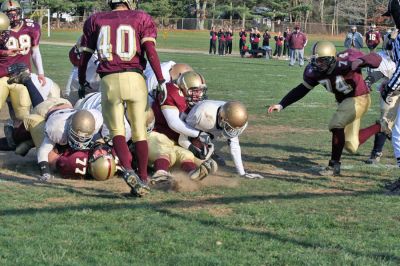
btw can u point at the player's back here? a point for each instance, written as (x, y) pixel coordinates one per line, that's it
(203, 116)
(118, 36)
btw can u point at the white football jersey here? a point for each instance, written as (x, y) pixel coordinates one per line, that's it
(203, 116)
(91, 76)
(387, 66)
(93, 101)
(56, 127)
(151, 80)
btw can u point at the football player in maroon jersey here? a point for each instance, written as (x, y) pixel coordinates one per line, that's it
(122, 37)
(21, 44)
(341, 75)
(372, 38)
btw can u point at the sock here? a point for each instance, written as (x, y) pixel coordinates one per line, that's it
(188, 166)
(379, 142)
(34, 93)
(161, 164)
(367, 132)
(142, 157)
(338, 140)
(122, 151)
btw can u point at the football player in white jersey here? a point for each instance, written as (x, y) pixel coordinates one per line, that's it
(223, 120)
(171, 72)
(71, 90)
(75, 128)
(388, 110)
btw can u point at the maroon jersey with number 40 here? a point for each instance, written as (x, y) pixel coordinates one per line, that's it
(342, 80)
(25, 37)
(118, 37)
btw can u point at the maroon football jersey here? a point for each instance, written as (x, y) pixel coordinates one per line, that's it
(372, 38)
(73, 164)
(174, 99)
(118, 37)
(341, 81)
(74, 56)
(26, 37)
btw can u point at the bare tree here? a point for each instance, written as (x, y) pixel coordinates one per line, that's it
(200, 14)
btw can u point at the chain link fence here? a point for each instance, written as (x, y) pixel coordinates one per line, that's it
(75, 22)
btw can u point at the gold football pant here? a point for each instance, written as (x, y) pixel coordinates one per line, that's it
(19, 96)
(129, 88)
(348, 116)
(160, 146)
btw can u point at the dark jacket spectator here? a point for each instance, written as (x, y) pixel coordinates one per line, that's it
(242, 39)
(266, 38)
(221, 42)
(229, 38)
(286, 34)
(278, 44)
(213, 41)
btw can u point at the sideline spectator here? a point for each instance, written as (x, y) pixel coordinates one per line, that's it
(278, 44)
(221, 42)
(242, 39)
(372, 38)
(255, 38)
(213, 40)
(266, 46)
(353, 39)
(286, 34)
(228, 34)
(297, 41)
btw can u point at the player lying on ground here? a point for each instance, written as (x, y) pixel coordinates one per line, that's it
(341, 75)
(222, 120)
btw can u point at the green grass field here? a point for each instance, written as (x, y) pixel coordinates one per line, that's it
(292, 217)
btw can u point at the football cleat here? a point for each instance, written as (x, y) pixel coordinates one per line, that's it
(333, 169)
(24, 147)
(8, 133)
(374, 158)
(162, 180)
(138, 187)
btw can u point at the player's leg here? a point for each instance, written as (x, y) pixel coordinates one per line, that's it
(135, 97)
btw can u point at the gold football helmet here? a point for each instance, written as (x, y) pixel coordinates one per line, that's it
(81, 130)
(131, 4)
(4, 22)
(232, 118)
(178, 69)
(193, 86)
(323, 56)
(13, 11)
(102, 164)
(150, 120)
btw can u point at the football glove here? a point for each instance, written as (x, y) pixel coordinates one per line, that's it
(161, 92)
(204, 137)
(275, 107)
(45, 174)
(82, 89)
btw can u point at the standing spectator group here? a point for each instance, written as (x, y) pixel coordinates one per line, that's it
(224, 38)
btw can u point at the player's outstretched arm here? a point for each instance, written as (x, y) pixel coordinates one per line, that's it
(293, 96)
(38, 62)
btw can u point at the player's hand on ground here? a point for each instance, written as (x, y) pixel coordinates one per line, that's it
(252, 176)
(45, 174)
(275, 108)
(42, 79)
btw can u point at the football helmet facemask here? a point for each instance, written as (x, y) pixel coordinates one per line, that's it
(4, 29)
(131, 4)
(13, 11)
(232, 118)
(178, 69)
(323, 56)
(102, 164)
(193, 86)
(81, 130)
